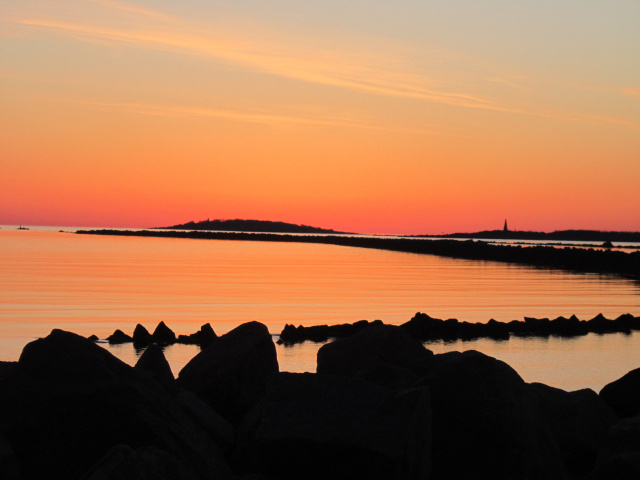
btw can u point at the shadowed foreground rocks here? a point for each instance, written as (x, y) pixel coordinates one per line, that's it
(380, 407)
(230, 374)
(70, 403)
(320, 427)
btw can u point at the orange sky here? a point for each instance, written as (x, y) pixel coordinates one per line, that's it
(376, 117)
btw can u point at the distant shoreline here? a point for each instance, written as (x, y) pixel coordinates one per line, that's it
(585, 260)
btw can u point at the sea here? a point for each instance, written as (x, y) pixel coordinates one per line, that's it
(52, 277)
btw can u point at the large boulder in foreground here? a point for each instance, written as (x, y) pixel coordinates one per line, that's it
(153, 363)
(579, 421)
(486, 420)
(374, 349)
(619, 456)
(70, 402)
(623, 395)
(313, 426)
(146, 463)
(230, 374)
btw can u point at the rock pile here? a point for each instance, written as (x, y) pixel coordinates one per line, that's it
(381, 406)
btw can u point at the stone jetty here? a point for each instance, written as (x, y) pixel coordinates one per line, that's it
(425, 328)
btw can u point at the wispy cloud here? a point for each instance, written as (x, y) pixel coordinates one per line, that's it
(631, 92)
(136, 9)
(383, 69)
(368, 72)
(300, 118)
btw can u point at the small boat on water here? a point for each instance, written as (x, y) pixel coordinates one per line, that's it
(22, 228)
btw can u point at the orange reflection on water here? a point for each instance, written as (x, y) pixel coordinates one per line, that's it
(95, 284)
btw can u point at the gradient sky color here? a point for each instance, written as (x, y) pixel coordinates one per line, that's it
(369, 116)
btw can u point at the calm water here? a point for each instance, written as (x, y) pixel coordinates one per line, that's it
(94, 284)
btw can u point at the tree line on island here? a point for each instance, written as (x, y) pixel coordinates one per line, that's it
(267, 226)
(238, 225)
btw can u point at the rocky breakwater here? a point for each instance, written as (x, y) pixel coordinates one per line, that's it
(162, 335)
(426, 328)
(381, 406)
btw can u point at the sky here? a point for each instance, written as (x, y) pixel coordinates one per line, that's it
(403, 117)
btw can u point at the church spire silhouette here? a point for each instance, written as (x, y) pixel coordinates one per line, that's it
(506, 229)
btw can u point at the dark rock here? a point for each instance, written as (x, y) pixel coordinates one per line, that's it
(230, 374)
(389, 376)
(497, 330)
(623, 395)
(568, 327)
(315, 426)
(619, 457)
(93, 338)
(141, 336)
(600, 324)
(71, 401)
(153, 363)
(539, 327)
(7, 369)
(118, 337)
(486, 422)
(628, 322)
(203, 337)
(221, 431)
(423, 327)
(321, 333)
(579, 421)
(163, 334)
(9, 469)
(376, 344)
(146, 463)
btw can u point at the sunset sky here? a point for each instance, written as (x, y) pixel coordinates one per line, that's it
(369, 116)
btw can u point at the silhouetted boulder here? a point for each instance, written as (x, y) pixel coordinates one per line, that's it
(539, 327)
(230, 374)
(313, 426)
(371, 346)
(9, 469)
(619, 456)
(601, 324)
(141, 336)
(221, 431)
(118, 337)
(71, 401)
(623, 395)
(93, 338)
(7, 369)
(322, 333)
(628, 322)
(203, 337)
(568, 327)
(579, 421)
(163, 334)
(496, 330)
(486, 422)
(153, 363)
(423, 327)
(145, 463)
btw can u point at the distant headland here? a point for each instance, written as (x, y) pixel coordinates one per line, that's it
(260, 226)
(559, 235)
